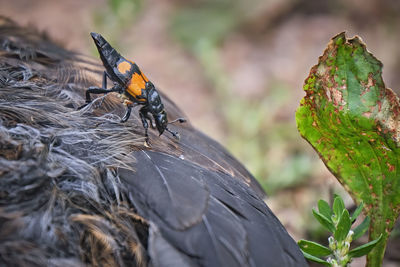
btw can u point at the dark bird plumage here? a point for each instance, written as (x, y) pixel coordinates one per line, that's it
(78, 188)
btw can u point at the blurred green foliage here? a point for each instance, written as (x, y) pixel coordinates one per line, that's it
(208, 21)
(113, 19)
(269, 147)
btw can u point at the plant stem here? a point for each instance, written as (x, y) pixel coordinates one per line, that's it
(375, 257)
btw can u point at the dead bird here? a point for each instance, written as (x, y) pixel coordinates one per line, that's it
(78, 188)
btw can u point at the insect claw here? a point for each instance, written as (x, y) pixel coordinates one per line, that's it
(174, 134)
(84, 105)
(147, 143)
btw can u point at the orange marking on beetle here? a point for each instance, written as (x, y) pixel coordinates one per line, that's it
(136, 84)
(124, 66)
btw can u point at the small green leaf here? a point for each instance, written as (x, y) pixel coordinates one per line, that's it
(343, 226)
(315, 259)
(364, 249)
(338, 207)
(357, 212)
(325, 209)
(362, 228)
(324, 221)
(313, 248)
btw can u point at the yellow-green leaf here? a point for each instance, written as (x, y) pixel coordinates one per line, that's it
(314, 248)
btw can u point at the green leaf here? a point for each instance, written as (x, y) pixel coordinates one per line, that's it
(315, 259)
(325, 209)
(364, 249)
(351, 119)
(343, 226)
(362, 228)
(324, 221)
(338, 207)
(313, 248)
(357, 212)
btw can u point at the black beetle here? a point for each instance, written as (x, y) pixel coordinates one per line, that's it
(132, 85)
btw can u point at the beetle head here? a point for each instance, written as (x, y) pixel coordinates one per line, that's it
(161, 121)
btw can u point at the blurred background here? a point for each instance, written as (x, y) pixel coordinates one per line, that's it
(236, 68)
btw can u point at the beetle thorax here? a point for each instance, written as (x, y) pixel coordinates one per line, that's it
(154, 101)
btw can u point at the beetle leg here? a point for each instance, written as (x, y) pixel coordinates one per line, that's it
(104, 85)
(175, 134)
(92, 89)
(97, 90)
(180, 120)
(143, 115)
(152, 124)
(127, 113)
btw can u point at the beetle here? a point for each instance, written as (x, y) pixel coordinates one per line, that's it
(133, 86)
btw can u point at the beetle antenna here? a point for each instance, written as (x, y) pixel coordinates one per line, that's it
(180, 120)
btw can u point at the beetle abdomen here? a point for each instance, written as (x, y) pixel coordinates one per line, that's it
(121, 70)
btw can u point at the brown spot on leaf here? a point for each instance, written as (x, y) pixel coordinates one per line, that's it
(391, 115)
(371, 81)
(379, 105)
(368, 84)
(391, 167)
(337, 96)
